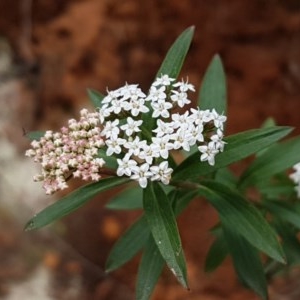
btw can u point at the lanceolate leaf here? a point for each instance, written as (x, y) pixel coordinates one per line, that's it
(150, 269)
(246, 261)
(34, 135)
(238, 147)
(243, 218)
(132, 241)
(175, 57)
(213, 89)
(71, 202)
(216, 254)
(131, 198)
(95, 97)
(279, 158)
(136, 236)
(289, 213)
(290, 242)
(162, 223)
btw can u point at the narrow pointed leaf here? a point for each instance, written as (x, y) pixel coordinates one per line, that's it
(110, 161)
(213, 89)
(243, 218)
(71, 202)
(131, 198)
(289, 213)
(162, 223)
(246, 260)
(175, 57)
(35, 135)
(290, 242)
(127, 246)
(238, 147)
(95, 97)
(279, 158)
(150, 268)
(216, 254)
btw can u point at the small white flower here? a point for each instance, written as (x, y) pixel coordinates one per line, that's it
(163, 128)
(164, 145)
(218, 119)
(161, 173)
(163, 80)
(114, 145)
(148, 153)
(138, 107)
(111, 129)
(180, 98)
(184, 86)
(157, 94)
(131, 126)
(181, 139)
(134, 146)
(125, 166)
(141, 174)
(161, 108)
(208, 153)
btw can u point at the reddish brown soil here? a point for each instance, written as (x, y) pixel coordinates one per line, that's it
(63, 47)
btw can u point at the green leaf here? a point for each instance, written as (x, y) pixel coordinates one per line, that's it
(243, 218)
(175, 57)
(95, 97)
(71, 202)
(35, 135)
(277, 159)
(162, 223)
(110, 161)
(226, 176)
(131, 242)
(289, 213)
(213, 89)
(131, 198)
(216, 254)
(246, 260)
(171, 66)
(238, 147)
(150, 268)
(290, 242)
(136, 236)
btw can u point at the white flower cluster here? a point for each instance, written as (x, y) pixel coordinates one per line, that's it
(144, 155)
(296, 178)
(121, 127)
(73, 150)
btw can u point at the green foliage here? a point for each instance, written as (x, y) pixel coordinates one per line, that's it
(34, 135)
(150, 269)
(71, 202)
(213, 89)
(130, 198)
(246, 261)
(238, 146)
(162, 223)
(95, 97)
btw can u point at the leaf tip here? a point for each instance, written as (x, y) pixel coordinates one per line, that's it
(30, 225)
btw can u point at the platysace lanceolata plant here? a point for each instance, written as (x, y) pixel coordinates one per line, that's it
(130, 139)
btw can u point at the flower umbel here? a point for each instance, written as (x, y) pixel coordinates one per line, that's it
(119, 129)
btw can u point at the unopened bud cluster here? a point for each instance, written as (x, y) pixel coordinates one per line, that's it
(72, 151)
(296, 178)
(123, 127)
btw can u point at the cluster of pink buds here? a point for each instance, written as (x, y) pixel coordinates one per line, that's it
(72, 151)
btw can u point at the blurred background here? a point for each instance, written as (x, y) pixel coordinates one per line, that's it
(51, 51)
